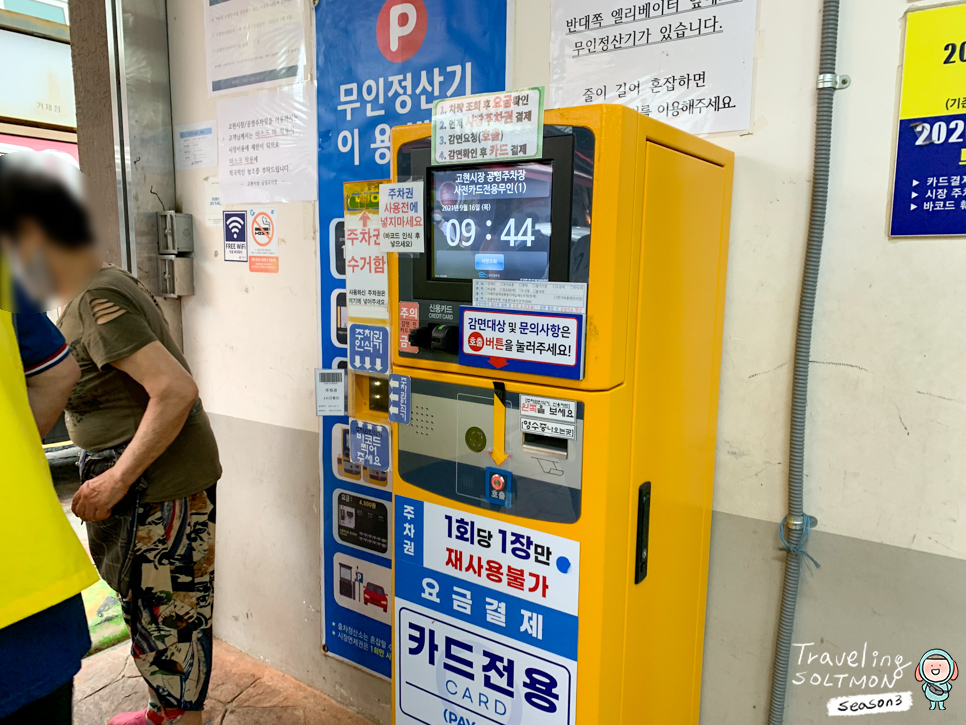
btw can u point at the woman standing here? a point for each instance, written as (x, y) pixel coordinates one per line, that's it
(150, 461)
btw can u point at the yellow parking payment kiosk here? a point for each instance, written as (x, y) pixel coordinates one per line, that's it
(556, 354)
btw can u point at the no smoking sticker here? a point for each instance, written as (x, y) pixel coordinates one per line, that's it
(262, 240)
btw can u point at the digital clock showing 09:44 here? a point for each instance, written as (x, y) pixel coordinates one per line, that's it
(492, 222)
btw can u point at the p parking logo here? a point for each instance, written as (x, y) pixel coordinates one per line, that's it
(401, 29)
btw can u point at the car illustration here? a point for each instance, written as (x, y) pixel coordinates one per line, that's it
(375, 594)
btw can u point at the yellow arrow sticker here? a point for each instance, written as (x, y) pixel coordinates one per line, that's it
(499, 454)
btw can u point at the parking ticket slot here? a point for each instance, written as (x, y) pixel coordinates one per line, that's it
(562, 344)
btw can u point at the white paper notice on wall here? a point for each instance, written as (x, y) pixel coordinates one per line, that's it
(253, 44)
(488, 127)
(268, 146)
(196, 145)
(687, 63)
(213, 207)
(401, 217)
(330, 398)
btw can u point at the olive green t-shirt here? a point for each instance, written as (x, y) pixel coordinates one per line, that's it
(111, 320)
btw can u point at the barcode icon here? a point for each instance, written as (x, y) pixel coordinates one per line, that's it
(325, 377)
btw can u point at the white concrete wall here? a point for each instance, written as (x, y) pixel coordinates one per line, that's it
(887, 413)
(252, 343)
(250, 338)
(887, 397)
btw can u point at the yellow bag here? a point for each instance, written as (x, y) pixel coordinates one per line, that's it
(42, 563)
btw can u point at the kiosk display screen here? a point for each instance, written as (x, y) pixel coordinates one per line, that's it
(491, 222)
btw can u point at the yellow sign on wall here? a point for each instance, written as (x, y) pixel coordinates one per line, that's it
(934, 63)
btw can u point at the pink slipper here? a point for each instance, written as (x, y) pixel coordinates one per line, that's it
(142, 717)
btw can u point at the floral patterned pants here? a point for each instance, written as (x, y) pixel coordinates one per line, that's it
(169, 609)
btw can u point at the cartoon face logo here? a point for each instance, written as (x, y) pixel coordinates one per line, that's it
(936, 671)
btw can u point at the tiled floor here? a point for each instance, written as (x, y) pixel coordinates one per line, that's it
(243, 691)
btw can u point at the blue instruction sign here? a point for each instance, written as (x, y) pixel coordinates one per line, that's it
(369, 444)
(369, 348)
(486, 591)
(929, 196)
(399, 394)
(379, 64)
(537, 343)
(235, 224)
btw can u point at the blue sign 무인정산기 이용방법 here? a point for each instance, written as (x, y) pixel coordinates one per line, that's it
(490, 605)
(400, 387)
(369, 348)
(377, 69)
(369, 444)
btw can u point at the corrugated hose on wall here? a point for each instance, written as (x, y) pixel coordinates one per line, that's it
(795, 527)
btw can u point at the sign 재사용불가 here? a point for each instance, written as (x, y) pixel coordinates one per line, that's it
(687, 63)
(929, 190)
(486, 619)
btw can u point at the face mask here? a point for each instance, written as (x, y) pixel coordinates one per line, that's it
(35, 279)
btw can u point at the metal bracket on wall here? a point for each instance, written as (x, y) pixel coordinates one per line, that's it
(832, 80)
